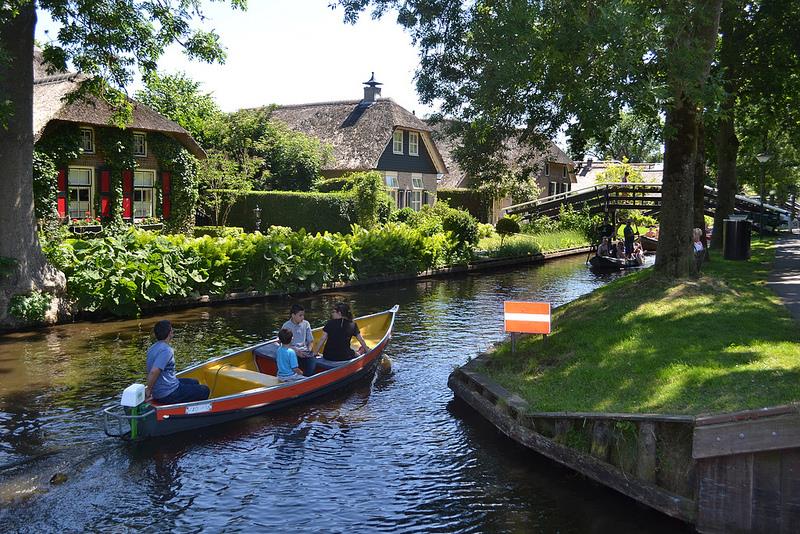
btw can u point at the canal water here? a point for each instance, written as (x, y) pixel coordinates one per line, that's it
(397, 454)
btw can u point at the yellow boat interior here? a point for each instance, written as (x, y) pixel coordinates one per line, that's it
(243, 371)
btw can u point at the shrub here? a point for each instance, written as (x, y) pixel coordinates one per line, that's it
(505, 227)
(316, 212)
(217, 231)
(333, 184)
(402, 215)
(463, 226)
(475, 202)
(30, 307)
(369, 192)
(485, 230)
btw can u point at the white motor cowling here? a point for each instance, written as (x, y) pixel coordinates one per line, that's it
(133, 395)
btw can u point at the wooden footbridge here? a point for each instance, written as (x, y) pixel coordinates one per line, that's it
(608, 198)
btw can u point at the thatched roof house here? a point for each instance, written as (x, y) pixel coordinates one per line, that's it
(49, 104)
(373, 134)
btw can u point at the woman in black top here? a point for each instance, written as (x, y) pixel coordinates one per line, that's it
(338, 332)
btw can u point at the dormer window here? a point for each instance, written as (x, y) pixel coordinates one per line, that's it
(413, 143)
(139, 145)
(397, 142)
(87, 140)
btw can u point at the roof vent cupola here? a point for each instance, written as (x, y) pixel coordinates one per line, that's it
(371, 89)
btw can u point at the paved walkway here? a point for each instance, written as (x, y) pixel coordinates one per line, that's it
(785, 276)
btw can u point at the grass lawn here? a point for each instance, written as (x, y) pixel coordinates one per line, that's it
(522, 244)
(721, 342)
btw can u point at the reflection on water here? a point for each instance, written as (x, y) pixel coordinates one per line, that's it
(398, 454)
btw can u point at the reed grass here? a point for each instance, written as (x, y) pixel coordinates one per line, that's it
(529, 244)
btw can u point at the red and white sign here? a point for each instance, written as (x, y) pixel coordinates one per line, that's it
(527, 317)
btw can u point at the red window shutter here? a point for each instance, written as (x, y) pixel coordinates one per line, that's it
(62, 193)
(105, 193)
(166, 194)
(127, 194)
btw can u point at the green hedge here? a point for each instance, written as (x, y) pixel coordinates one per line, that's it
(217, 231)
(316, 212)
(470, 200)
(334, 184)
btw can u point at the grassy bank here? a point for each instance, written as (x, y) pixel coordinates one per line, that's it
(523, 244)
(721, 342)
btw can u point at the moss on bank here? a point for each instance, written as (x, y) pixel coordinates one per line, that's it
(720, 342)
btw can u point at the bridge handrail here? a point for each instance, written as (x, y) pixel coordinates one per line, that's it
(575, 192)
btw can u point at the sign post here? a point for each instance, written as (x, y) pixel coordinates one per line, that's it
(526, 318)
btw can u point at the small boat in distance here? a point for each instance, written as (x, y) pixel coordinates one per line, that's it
(244, 383)
(649, 244)
(607, 263)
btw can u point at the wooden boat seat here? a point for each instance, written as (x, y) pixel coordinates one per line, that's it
(228, 380)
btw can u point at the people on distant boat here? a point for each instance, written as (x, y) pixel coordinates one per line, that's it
(603, 249)
(628, 233)
(625, 177)
(638, 254)
(162, 384)
(338, 333)
(697, 246)
(652, 232)
(620, 250)
(302, 338)
(288, 368)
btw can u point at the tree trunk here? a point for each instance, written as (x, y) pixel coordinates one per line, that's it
(700, 182)
(17, 219)
(675, 257)
(726, 140)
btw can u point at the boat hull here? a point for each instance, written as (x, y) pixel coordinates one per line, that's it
(606, 263)
(649, 244)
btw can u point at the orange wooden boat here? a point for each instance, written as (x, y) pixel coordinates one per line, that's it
(244, 383)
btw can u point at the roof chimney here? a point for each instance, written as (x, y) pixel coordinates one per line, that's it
(371, 90)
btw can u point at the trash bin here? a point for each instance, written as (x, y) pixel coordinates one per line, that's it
(736, 239)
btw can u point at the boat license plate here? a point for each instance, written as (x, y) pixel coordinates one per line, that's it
(198, 408)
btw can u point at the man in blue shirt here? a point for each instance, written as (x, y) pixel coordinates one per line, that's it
(162, 384)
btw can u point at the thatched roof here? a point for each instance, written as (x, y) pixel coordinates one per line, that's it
(359, 131)
(514, 153)
(49, 104)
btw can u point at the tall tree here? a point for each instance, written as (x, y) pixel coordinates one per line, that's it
(540, 65)
(179, 98)
(104, 39)
(634, 138)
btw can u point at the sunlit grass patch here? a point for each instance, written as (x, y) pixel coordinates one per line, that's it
(720, 342)
(529, 244)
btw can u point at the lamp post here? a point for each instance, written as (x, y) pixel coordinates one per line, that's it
(257, 213)
(762, 159)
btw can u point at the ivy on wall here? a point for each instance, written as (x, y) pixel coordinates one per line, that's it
(53, 151)
(182, 167)
(116, 146)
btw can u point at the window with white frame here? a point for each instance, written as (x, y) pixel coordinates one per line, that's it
(87, 140)
(416, 180)
(139, 145)
(392, 185)
(413, 143)
(416, 200)
(564, 171)
(552, 189)
(143, 194)
(397, 142)
(79, 194)
(547, 169)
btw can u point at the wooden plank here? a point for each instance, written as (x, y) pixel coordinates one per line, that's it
(766, 504)
(754, 435)
(608, 475)
(724, 493)
(790, 491)
(646, 452)
(616, 416)
(744, 415)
